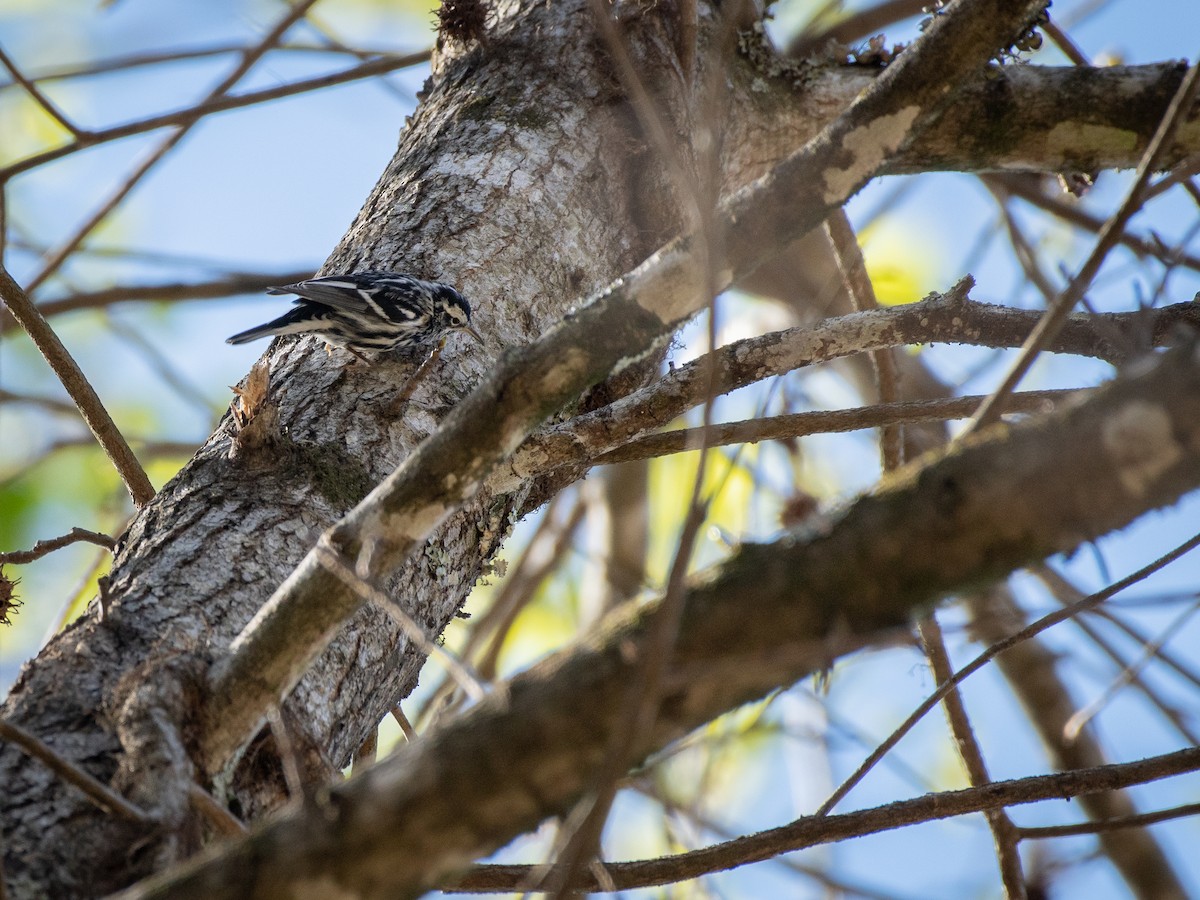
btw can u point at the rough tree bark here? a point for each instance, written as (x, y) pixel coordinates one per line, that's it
(525, 179)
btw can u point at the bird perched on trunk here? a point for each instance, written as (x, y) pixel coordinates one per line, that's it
(372, 311)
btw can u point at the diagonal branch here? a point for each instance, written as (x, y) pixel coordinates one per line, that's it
(40, 98)
(79, 388)
(98, 792)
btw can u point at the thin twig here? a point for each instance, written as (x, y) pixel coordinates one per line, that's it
(41, 548)
(1056, 314)
(154, 58)
(1169, 712)
(55, 259)
(815, 830)
(1004, 835)
(455, 667)
(519, 589)
(1082, 716)
(225, 286)
(224, 104)
(410, 733)
(990, 653)
(288, 757)
(98, 792)
(1075, 215)
(221, 819)
(1063, 41)
(862, 293)
(793, 425)
(39, 98)
(1114, 824)
(79, 389)
(50, 404)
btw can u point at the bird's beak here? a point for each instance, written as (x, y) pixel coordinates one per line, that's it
(473, 333)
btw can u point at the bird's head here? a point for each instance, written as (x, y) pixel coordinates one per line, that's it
(454, 312)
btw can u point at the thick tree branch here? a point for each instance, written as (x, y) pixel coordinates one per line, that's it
(1017, 118)
(993, 505)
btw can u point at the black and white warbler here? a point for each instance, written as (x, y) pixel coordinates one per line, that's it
(369, 311)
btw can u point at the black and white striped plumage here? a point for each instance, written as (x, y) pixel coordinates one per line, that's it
(373, 311)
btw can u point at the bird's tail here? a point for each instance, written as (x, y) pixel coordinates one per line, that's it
(252, 334)
(295, 321)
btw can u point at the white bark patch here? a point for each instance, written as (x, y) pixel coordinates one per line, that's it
(1065, 137)
(415, 524)
(670, 285)
(561, 376)
(1140, 441)
(869, 146)
(322, 888)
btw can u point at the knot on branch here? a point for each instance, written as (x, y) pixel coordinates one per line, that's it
(255, 415)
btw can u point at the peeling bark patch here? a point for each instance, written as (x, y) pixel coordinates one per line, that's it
(1140, 441)
(417, 524)
(323, 888)
(1064, 139)
(560, 377)
(868, 146)
(670, 291)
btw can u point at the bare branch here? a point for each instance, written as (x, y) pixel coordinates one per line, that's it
(1096, 827)
(154, 58)
(1056, 314)
(192, 113)
(226, 286)
(39, 98)
(1019, 186)
(946, 318)
(813, 830)
(50, 404)
(79, 389)
(41, 548)
(98, 792)
(793, 425)
(218, 816)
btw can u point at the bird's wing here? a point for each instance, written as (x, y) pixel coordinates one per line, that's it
(347, 294)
